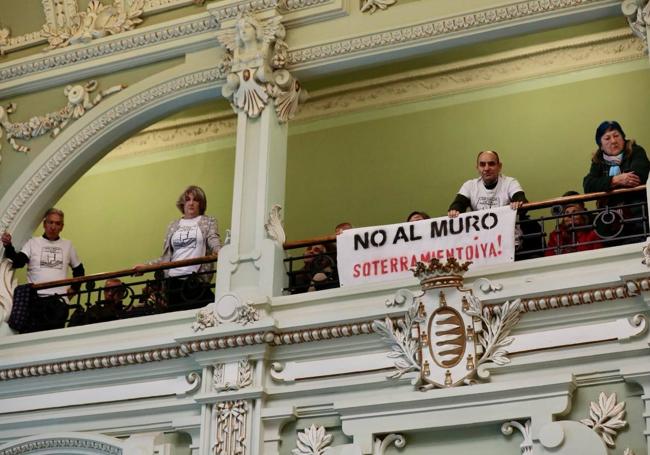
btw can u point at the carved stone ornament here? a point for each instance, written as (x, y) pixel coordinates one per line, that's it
(274, 227)
(231, 427)
(97, 21)
(606, 417)
(312, 441)
(527, 444)
(242, 314)
(381, 445)
(7, 285)
(256, 59)
(646, 252)
(4, 40)
(638, 16)
(232, 376)
(402, 297)
(79, 102)
(370, 6)
(193, 378)
(446, 335)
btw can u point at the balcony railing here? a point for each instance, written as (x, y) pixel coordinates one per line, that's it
(35, 310)
(543, 229)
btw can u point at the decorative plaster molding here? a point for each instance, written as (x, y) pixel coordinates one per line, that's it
(525, 430)
(626, 290)
(64, 28)
(7, 285)
(227, 309)
(233, 10)
(137, 101)
(445, 335)
(193, 378)
(79, 102)
(381, 445)
(638, 17)
(606, 417)
(273, 226)
(473, 74)
(308, 335)
(110, 46)
(402, 297)
(324, 333)
(524, 10)
(231, 428)
(486, 286)
(370, 6)
(61, 444)
(256, 60)
(312, 441)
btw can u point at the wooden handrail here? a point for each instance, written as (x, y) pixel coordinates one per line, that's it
(289, 245)
(580, 198)
(126, 272)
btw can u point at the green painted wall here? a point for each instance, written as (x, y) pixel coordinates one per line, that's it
(369, 169)
(117, 219)
(51, 100)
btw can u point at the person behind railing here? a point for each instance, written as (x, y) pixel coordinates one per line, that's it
(618, 163)
(109, 308)
(47, 258)
(417, 216)
(574, 232)
(318, 271)
(490, 190)
(192, 236)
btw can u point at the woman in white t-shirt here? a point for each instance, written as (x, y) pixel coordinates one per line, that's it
(192, 236)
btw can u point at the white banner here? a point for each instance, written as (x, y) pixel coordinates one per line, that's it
(383, 253)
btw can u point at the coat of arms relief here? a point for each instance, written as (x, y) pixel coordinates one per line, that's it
(447, 336)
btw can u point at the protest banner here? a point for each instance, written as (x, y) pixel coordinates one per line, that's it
(383, 253)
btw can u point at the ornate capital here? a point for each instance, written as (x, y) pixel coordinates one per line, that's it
(256, 59)
(638, 16)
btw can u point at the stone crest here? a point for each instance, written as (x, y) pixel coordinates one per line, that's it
(446, 334)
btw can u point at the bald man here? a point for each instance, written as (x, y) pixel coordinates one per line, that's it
(490, 190)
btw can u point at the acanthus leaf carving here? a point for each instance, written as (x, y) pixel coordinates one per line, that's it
(312, 441)
(526, 445)
(7, 285)
(79, 102)
(381, 445)
(606, 417)
(256, 59)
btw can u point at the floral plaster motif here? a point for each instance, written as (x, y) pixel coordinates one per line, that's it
(97, 21)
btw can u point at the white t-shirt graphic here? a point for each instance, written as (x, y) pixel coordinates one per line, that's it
(187, 243)
(49, 261)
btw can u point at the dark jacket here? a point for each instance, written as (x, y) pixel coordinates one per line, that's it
(598, 178)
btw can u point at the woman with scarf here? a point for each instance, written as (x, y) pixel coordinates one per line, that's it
(618, 163)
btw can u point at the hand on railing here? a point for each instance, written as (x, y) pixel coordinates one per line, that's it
(138, 269)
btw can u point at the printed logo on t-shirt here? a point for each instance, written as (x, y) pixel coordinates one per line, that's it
(52, 257)
(487, 202)
(185, 237)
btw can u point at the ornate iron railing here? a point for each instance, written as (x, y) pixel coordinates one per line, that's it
(88, 302)
(543, 229)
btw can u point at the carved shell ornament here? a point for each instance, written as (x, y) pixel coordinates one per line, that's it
(79, 102)
(256, 57)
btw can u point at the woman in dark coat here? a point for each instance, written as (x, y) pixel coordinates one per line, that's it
(618, 163)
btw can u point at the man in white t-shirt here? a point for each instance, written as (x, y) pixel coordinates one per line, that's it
(491, 189)
(47, 257)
